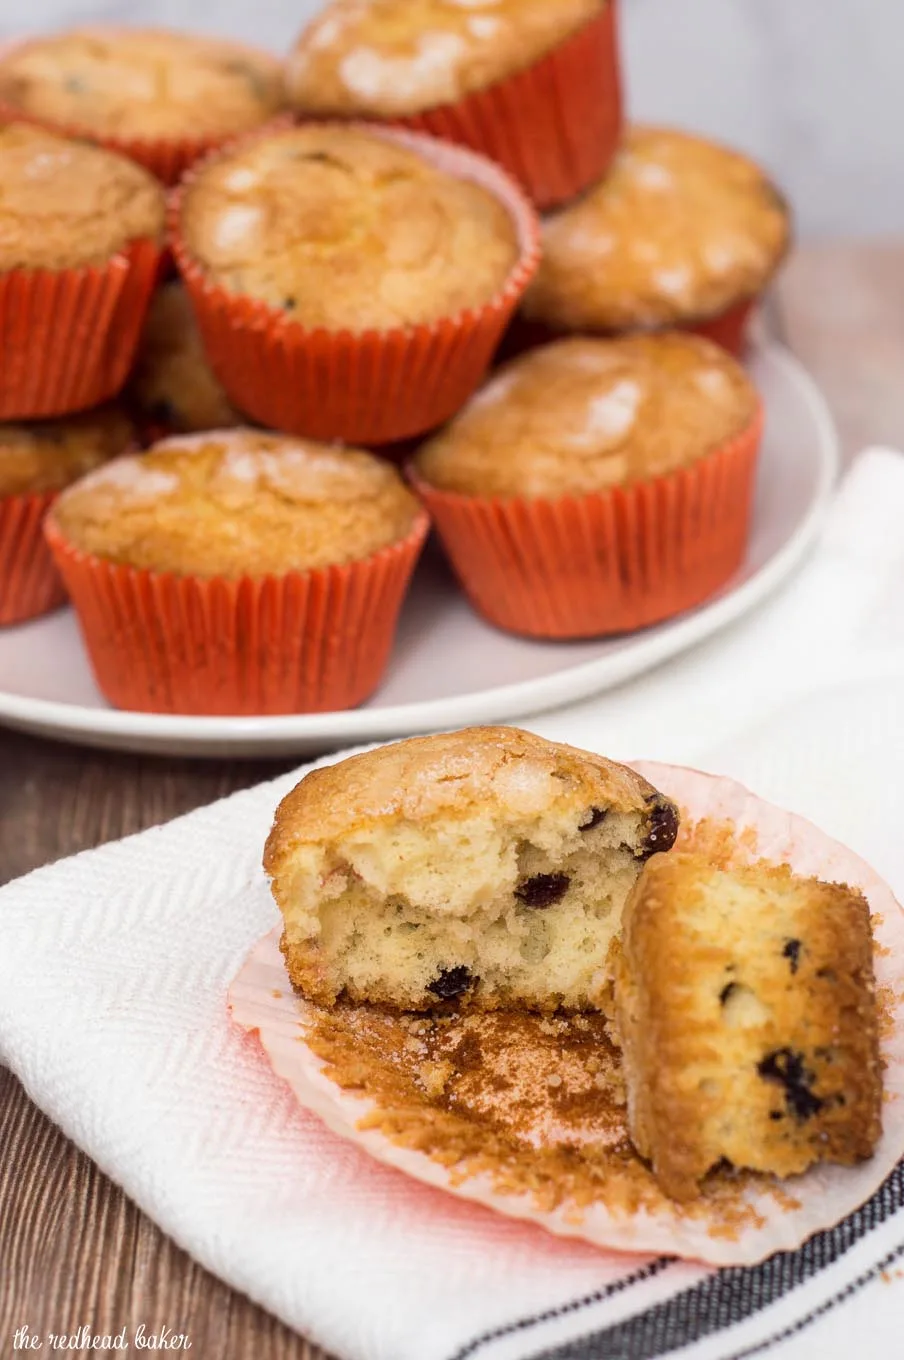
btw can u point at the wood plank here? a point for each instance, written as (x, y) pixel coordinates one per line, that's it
(73, 1248)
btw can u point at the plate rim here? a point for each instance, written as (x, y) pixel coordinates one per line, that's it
(56, 719)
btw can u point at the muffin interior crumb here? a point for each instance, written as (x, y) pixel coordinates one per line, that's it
(523, 912)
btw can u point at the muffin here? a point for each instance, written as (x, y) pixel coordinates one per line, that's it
(747, 1011)
(682, 232)
(351, 283)
(36, 462)
(487, 867)
(594, 486)
(238, 572)
(80, 238)
(172, 388)
(534, 85)
(159, 96)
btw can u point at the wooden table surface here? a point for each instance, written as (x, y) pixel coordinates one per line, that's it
(73, 1249)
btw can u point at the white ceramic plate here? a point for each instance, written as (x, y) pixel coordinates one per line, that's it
(449, 668)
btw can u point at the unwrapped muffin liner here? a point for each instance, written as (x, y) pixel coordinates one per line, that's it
(29, 582)
(782, 1214)
(606, 562)
(369, 387)
(304, 642)
(68, 336)
(556, 125)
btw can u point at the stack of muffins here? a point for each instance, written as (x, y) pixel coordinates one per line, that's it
(355, 241)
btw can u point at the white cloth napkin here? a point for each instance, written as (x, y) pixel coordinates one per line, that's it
(114, 967)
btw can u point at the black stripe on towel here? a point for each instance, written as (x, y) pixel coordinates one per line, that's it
(733, 1294)
(575, 1306)
(849, 1290)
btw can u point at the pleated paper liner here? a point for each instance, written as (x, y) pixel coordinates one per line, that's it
(727, 329)
(29, 582)
(68, 336)
(371, 387)
(554, 126)
(740, 1219)
(608, 562)
(306, 642)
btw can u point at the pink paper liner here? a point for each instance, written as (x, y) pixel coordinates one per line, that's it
(261, 1001)
(68, 336)
(306, 642)
(373, 387)
(29, 582)
(604, 563)
(554, 126)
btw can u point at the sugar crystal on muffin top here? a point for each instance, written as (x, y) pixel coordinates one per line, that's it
(142, 82)
(393, 57)
(344, 228)
(235, 503)
(65, 204)
(584, 414)
(680, 229)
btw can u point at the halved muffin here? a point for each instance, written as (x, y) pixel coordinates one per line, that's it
(485, 866)
(747, 1012)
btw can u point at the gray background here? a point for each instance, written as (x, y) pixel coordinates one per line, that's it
(814, 88)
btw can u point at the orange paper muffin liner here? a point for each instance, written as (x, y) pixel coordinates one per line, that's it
(610, 562)
(306, 642)
(728, 329)
(29, 582)
(372, 387)
(556, 125)
(68, 336)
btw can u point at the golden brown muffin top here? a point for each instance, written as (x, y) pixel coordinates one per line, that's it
(237, 503)
(47, 455)
(510, 772)
(172, 382)
(394, 57)
(142, 83)
(345, 229)
(584, 414)
(64, 204)
(680, 229)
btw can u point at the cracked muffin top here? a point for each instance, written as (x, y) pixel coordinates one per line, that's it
(583, 414)
(237, 503)
(347, 230)
(142, 83)
(679, 230)
(46, 455)
(394, 57)
(64, 204)
(503, 770)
